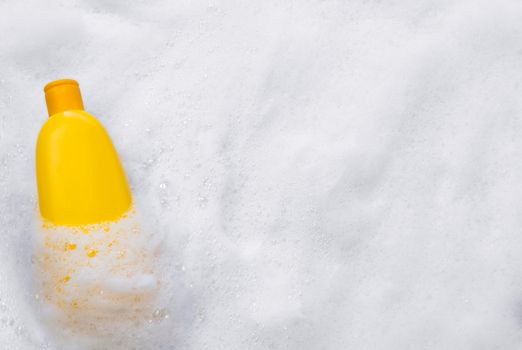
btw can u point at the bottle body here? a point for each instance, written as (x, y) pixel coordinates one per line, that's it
(80, 178)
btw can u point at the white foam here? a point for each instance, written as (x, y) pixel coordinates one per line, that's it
(320, 175)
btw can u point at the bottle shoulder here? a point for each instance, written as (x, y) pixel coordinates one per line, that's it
(72, 116)
(72, 120)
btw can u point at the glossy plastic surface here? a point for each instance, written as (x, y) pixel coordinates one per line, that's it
(80, 178)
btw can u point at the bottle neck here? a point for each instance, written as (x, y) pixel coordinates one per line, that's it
(63, 95)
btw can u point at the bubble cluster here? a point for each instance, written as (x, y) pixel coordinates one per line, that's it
(306, 175)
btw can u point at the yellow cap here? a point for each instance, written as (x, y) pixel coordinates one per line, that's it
(63, 95)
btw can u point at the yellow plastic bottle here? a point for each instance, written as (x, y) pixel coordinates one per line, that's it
(93, 262)
(80, 178)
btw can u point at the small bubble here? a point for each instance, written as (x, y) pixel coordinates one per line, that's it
(91, 253)
(160, 314)
(70, 246)
(163, 185)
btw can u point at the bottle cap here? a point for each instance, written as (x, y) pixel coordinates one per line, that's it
(63, 95)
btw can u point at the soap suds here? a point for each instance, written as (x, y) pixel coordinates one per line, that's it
(318, 174)
(98, 286)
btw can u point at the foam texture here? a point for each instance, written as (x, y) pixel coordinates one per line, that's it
(318, 174)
